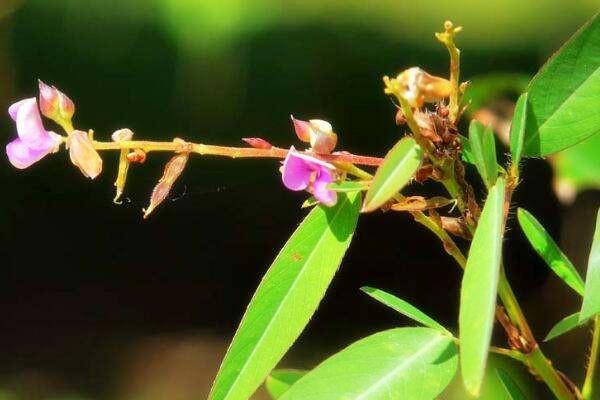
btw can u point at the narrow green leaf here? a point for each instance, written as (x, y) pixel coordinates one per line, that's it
(348, 186)
(549, 250)
(404, 308)
(287, 297)
(512, 389)
(517, 129)
(565, 95)
(591, 298)
(310, 202)
(479, 287)
(482, 145)
(466, 152)
(563, 326)
(402, 363)
(281, 380)
(398, 167)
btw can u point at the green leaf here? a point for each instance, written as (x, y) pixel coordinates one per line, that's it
(348, 186)
(398, 167)
(591, 298)
(402, 363)
(482, 144)
(549, 250)
(281, 380)
(563, 326)
(287, 297)
(479, 287)
(517, 129)
(565, 95)
(404, 308)
(512, 389)
(466, 153)
(484, 88)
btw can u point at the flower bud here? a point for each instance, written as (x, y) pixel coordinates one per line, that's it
(322, 137)
(302, 129)
(83, 155)
(122, 135)
(55, 105)
(258, 143)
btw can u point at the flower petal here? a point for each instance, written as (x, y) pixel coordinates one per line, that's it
(296, 171)
(83, 154)
(21, 156)
(14, 108)
(29, 125)
(321, 192)
(302, 129)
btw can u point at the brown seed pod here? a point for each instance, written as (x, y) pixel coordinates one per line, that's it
(161, 191)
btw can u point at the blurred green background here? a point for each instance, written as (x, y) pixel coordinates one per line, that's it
(98, 304)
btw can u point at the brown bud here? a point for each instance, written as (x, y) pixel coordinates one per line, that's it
(424, 173)
(400, 118)
(258, 143)
(137, 156)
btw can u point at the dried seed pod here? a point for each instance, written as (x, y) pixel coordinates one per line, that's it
(420, 203)
(258, 143)
(457, 227)
(161, 191)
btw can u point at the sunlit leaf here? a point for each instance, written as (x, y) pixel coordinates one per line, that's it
(563, 326)
(403, 308)
(479, 287)
(512, 389)
(517, 129)
(402, 363)
(398, 167)
(348, 186)
(287, 297)
(482, 145)
(564, 96)
(549, 250)
(591, 298)
(484, 88)
(577, 168)
(280, 380)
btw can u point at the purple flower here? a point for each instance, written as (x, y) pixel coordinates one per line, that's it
(303, 172)
(34, 142)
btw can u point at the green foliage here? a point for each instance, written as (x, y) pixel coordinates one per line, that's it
(549, 250)
(398, 167)
(479, 287)
(564, 96)
(404, 308)
(512, 389)
(591, 298)
(401, 363)
(578, 166)
(348, 186)
(485, 88)
(563, 326)
(517, 129)
(482, 145)
(280, 380)
(287, 297)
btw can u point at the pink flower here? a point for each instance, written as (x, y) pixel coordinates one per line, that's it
(34, 142)
(317, 132)
(303, 172)
(83, 154)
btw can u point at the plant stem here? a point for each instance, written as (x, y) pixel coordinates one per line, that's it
(233, 152)
(543, 367)
(588, 392)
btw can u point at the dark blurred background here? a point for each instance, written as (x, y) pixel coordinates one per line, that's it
(96, 303)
